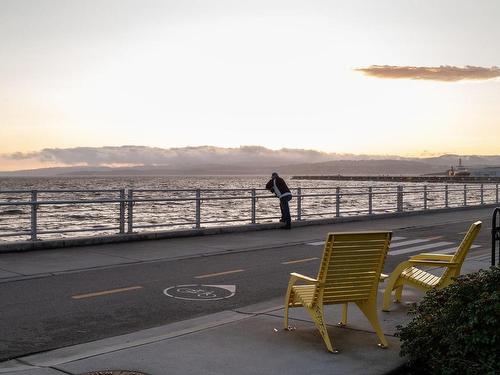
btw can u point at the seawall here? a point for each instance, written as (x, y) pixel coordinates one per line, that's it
(430, 179)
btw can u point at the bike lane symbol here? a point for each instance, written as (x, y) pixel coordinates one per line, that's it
(199, 292)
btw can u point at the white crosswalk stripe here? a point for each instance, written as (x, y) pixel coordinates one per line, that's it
(424, 245)
(451, 250)
(410, 242)
(419, 248)
(319, 243)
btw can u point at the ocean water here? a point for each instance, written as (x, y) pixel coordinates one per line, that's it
(226, 200)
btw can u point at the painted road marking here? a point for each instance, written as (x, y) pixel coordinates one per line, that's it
(319, 243)
(105, 292)
(299, 260)
(218, 274)
(462, 233)
(481, 257)
(421, 247)
(198, 292)
(451, 250)
(396, 238)
(413, 242)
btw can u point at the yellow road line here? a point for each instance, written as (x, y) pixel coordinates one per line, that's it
(218, 274)
(105, 292)
(300, 260)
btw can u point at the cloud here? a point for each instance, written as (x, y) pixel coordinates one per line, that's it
(203, 158)
(243, 157)
(173, 157)
(441, 73)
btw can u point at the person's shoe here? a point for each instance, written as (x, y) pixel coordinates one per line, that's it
(286, 227)
(282, 220)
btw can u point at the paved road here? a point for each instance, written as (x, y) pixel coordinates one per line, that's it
(49, 312)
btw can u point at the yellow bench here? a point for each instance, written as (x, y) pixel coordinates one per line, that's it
(407, 273)
(349, 272)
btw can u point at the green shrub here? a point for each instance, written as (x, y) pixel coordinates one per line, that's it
(456, 330)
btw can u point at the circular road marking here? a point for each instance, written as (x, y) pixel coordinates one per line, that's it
(199, 292)
(114, 372)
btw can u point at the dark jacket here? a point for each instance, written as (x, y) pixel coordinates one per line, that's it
(278, 186)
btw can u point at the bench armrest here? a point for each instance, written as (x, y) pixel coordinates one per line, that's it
(298, 276)
(431, 256)
(438, 263)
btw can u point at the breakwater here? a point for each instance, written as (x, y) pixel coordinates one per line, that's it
(420, 179)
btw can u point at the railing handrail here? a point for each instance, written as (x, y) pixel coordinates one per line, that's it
(206, 198)
(60, 191)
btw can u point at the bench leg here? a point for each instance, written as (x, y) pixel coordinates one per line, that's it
(288, 296)
(316, 313)
(369, 308)
(394, 282)
(286, 316)
(398, 292)
(343, 321)
(387, 300)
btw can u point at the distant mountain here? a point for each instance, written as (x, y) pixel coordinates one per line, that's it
(208, 160)
(467, 160)
(52, 172)
(207, 169)
(364, 167)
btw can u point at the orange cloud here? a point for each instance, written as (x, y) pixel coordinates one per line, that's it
(441, 73)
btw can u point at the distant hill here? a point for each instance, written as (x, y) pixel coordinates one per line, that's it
(468, 160)
(364, 167)
(245, 160)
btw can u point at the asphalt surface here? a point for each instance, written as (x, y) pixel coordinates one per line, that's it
(68, 308)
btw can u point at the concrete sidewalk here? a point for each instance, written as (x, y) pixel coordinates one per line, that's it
(248, 340)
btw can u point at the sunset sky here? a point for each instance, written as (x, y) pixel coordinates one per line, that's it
(393, 77)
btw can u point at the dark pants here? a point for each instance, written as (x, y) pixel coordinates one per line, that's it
(285, 209)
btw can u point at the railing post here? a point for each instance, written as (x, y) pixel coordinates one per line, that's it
(400, 199)
(495, 234)
(465, 195)
(34, 218)
(497, 193)
(130, 211)
(425, 197)
(254, 205)
(337, 202)
(299, 204)
(370, 200)
(482, 194)
(446, 196)
(122, 211)
(198, 209)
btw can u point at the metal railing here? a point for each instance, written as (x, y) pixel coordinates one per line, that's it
(128, 211)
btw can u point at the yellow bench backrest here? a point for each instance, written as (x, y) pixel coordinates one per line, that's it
(461, 253)
(351, 266)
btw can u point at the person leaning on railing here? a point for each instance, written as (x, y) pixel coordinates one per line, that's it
(278, 186)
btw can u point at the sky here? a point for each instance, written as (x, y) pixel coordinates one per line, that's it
(399, 77)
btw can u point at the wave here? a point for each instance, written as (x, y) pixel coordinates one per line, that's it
(12, 212)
